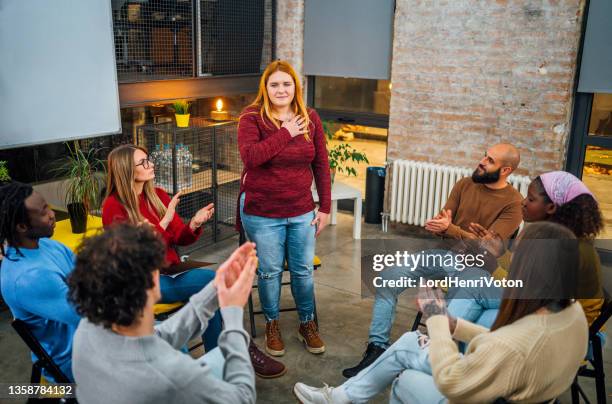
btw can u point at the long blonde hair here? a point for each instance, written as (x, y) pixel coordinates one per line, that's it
(121, 182)
(262, 101)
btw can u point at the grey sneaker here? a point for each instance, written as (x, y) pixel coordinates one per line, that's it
(322, 395)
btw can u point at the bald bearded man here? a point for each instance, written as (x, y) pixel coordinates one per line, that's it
(485, 198)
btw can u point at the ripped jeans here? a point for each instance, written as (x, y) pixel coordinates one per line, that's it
(277, 240)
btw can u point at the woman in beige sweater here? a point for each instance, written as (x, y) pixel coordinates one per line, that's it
(531, 354)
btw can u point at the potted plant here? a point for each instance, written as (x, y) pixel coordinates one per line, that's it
(4, 173)
(82, 184)
(181, 113)
(341, 154)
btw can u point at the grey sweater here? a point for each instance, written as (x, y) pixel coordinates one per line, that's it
(111, 368)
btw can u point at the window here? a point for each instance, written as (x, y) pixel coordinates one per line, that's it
(601, 116)
(358, 95)
(351, 100)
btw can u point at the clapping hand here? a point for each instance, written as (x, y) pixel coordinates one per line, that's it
(431, 302)
(440, 223)
(234, 278)
(202, 216)
(489, 239)
(170, 210)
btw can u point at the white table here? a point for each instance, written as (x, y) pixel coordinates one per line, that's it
(343, 191)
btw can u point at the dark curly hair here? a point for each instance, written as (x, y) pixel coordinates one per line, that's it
(581, 215)
(113, 272)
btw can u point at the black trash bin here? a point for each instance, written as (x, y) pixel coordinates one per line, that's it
(375, 194)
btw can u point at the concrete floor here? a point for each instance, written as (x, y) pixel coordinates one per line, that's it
(344, 318)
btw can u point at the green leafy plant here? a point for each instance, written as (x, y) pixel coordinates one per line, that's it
(4, 173)
(80, 169)
(181, 107)
(342, 153)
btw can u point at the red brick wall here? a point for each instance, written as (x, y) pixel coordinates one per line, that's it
(467, 74)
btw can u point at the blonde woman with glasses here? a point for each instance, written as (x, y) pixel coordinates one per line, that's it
(132, 197)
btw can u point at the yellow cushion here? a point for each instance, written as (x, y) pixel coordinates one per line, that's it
(63, 232)
(161, 308)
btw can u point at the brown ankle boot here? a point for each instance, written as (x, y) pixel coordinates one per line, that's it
(274, 341)
(308, 333)
(263, 365)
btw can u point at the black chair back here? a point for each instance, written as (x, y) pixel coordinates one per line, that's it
(44, 360)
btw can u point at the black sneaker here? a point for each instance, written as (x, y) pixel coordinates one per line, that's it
(370, 355)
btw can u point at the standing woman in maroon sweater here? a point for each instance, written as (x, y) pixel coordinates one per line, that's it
(282, 145)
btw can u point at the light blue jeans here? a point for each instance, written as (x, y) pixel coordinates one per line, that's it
(406, 359)
(476, 305)
(277, 240)
(385, 300)
(181, 287)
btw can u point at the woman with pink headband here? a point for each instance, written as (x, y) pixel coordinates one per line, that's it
(558, 197)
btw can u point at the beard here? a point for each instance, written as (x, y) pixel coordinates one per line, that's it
(486, 177)
(40, 232)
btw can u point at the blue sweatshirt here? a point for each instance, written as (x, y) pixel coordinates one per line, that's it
(35, 289)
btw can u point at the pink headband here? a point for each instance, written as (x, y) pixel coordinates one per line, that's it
(561, 187)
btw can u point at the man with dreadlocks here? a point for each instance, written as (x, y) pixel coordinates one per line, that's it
(34, 271)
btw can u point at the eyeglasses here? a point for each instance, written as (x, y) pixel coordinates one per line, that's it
(145, 163)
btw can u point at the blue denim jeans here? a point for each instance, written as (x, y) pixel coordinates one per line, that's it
(477, 305)
(406, 359)
(277, 240)
(180, 289)
(385, 300)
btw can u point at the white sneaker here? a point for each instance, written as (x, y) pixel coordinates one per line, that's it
(322, 395)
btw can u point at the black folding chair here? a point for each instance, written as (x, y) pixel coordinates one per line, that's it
(596, 368)
(44, 361)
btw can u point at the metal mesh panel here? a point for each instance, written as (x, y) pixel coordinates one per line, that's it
(229, 165)
(236, 36)
(202, 161)
(153, 39)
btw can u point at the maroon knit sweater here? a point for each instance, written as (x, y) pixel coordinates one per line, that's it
(278, 169)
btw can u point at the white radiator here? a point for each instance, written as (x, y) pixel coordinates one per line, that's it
(419, 190)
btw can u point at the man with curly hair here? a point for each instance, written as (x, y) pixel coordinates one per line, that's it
(121, 356)
(34, 271)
